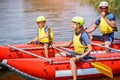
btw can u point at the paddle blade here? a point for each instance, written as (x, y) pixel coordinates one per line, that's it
(103, 68)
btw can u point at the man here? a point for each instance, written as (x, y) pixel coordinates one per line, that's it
(107, 24)
(81, 44)
(45, 34)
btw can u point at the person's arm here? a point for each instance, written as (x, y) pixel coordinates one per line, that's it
(88, 51)
(91, 29)
(110, 19)
(94, 26)
(34, 40)
(67, 44)
(111, 23)
(86, 39)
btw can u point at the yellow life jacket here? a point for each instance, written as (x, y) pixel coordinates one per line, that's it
(105, 28)
(78, 46)
(42, 33)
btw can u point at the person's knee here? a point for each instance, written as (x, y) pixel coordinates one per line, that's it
(45, 45)
(72, 60)
(107, 43)
(57, 55)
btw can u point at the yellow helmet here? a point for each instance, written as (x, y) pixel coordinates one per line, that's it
(78, 19)
(40, 18)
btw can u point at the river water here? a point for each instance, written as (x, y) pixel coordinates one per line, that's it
(17, 21)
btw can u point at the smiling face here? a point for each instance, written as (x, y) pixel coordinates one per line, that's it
(75, 26)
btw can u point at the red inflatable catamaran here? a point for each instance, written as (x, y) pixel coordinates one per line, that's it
(22, 60)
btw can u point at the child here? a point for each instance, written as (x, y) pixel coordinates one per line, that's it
(80, 42)
(45, 34)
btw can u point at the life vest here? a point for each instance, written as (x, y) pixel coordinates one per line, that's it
(105, 28)
(42, 33)
(78, 46)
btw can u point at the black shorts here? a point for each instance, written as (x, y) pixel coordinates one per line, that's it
(73, 54)
(43, 43)
(108, 37)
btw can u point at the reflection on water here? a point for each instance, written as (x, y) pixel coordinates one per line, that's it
(17, 23)
(17, 20)
(7, 75)
(58, 13)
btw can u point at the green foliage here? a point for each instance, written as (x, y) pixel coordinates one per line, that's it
(114, 5)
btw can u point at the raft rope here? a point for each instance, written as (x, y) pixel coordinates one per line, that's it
(112, 58)
(106, 47)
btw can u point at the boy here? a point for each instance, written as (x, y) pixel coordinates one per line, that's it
(45, 34)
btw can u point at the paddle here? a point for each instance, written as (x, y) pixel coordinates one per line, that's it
(105, 47)
(99, 66)
(35, 55)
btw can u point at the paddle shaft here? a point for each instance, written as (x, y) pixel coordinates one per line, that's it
(105, 47)
(33, 54)
(61, 50)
